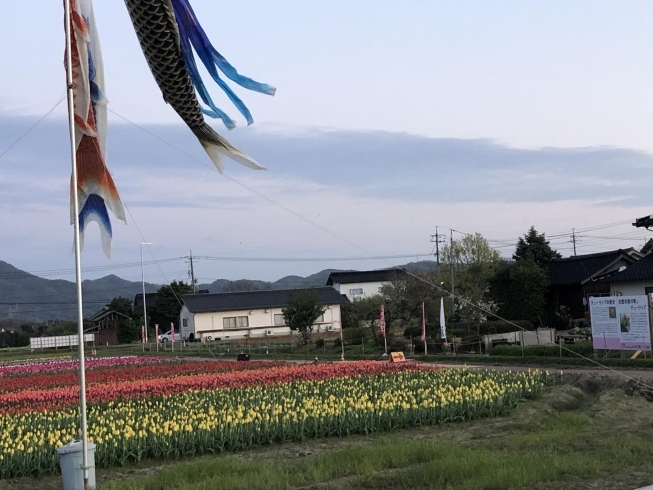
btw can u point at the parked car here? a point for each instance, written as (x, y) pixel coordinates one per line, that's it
(167, 337)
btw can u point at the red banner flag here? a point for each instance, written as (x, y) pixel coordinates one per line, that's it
(423, 324)
(156, 332)
(172, 332)
(382, 321)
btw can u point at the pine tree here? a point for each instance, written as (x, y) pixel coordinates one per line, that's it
(535, 247)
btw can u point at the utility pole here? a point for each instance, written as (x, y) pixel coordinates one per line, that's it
(144, 297)
(451, 255)
(575, 238)
(436, 238)
(192, 273)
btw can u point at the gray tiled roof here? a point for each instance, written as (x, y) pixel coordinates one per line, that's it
(149, 297)
(574, 270)
(254, 300)
(349, 277)
(642, 270)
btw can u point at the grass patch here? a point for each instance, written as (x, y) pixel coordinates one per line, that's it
(539, 361)
(554, 448)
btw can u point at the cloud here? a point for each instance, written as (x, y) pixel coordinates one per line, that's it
(384, 191)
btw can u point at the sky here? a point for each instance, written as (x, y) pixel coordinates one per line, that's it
(390, 118)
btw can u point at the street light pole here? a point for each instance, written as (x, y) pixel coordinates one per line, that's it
(143, 280)
(342, 345)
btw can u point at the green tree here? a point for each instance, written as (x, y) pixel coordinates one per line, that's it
(302, 310)
(129, 332)
(167, 306)
(534, 246)
(473, 262)
(403, 296)
(121, 305)
(360, 313)
(13, 338)
(519, 289)
(473, 254)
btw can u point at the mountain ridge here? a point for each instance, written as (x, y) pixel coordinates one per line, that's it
(36, 299)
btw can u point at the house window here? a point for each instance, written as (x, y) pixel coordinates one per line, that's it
(279, 319)
(356, 292)
(235, 322)
(185, 322)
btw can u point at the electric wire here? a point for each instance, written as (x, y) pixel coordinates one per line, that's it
(29, 130)
(360, 247)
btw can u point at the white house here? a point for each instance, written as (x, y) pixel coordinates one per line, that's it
(250, 314)
(633, 280)
(362, 284)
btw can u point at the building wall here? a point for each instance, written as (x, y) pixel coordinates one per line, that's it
(369, 289)
(108, 328)
(541, 336)
(630, 288)
(259, 322)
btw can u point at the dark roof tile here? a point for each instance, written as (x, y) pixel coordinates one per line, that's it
(253, 300)
(574, 270)
(349, 277)
(642, 270)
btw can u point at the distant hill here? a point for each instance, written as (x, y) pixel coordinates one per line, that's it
(24, 295)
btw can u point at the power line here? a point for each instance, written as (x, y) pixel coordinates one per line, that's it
(19, 274)
(368, 251)
(309, 259)
(39, 121)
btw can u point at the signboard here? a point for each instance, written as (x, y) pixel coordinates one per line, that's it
(620, 322)
(397, 357)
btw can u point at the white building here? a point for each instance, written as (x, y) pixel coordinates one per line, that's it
(633, 280)
(362, 284)
(250, 314)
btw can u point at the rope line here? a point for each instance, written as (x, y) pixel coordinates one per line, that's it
(360, 247)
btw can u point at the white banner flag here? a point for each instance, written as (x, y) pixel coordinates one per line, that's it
(443, 328)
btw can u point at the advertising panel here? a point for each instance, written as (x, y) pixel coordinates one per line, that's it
(620, 322)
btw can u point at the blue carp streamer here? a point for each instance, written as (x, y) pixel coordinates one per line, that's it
(192, 36)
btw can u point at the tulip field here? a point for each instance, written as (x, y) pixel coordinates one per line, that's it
(160, 408)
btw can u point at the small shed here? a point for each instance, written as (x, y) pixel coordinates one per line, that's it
(106, 326)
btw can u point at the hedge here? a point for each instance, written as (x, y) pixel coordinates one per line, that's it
(568, 350)
(543, 361)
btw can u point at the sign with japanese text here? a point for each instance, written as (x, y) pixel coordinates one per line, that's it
(620, 322)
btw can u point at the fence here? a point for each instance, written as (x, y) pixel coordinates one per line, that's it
(58, 341)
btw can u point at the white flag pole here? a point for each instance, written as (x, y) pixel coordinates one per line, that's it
(78, 258)
(426, 351)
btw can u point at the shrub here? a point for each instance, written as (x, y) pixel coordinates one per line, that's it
(354, 335)
(13, 339)
(319, 343)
